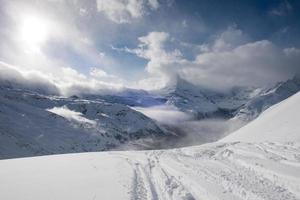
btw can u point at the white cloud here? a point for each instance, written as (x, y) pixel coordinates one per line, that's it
(230, 60)
(152, 48)
(256, 63)
(124, 11)
(47, 69)
(66, 81)
(153, 4)
(164, 114)
(162, 63)
(229, 39)
(30, 79)
(282, 9)
(99, 74)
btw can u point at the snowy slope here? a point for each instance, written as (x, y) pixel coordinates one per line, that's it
(34, 124)
(215, 171)
(268, 97)
(279, 123)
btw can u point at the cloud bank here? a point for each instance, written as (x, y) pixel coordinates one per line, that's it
(231, 59)
(66, 82)
(65, 47)
(164, 114)
(40, 59)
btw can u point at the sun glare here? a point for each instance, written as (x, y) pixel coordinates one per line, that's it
(34, 31)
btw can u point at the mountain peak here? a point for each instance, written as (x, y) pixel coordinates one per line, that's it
(296, 78)
(181, 84)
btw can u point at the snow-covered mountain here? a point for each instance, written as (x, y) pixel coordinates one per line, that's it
(130, 97)
(205, 103)
(35, 124)
(279, 123)
(244, 103)
(268, 97)
(185, 96)
(233, 170)
(189, 98)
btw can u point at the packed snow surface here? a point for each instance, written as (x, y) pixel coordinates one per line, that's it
(278, 123)
(224, 171)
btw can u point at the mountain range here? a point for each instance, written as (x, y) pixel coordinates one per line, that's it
(259, 161)
(36, 122)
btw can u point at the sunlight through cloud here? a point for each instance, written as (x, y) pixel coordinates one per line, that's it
(34, 31)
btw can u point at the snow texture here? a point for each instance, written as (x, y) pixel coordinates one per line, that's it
(279, 123)
(214, 171)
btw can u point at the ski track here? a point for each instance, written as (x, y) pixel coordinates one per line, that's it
(217, 171)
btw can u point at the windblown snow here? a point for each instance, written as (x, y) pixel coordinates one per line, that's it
(222, 170)
(71, 115)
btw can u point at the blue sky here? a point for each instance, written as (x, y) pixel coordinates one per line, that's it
(136, 43)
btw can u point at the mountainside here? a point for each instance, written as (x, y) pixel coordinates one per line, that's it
(279, 123)
(267, 98)
(205, 103)
(130, 97)
(189, 98)
(34, 124)
(214, 172)
(242, 103)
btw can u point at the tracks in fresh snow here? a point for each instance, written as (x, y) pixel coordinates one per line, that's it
(217, 171)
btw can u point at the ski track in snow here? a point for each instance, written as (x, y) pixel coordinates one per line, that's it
(221, 171)
(227, 171)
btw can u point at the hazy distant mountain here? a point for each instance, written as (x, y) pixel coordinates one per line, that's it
(206, 103)
(244, 103)
(33, 122)
(130, 97)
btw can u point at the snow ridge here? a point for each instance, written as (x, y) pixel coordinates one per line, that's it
(279, 123)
